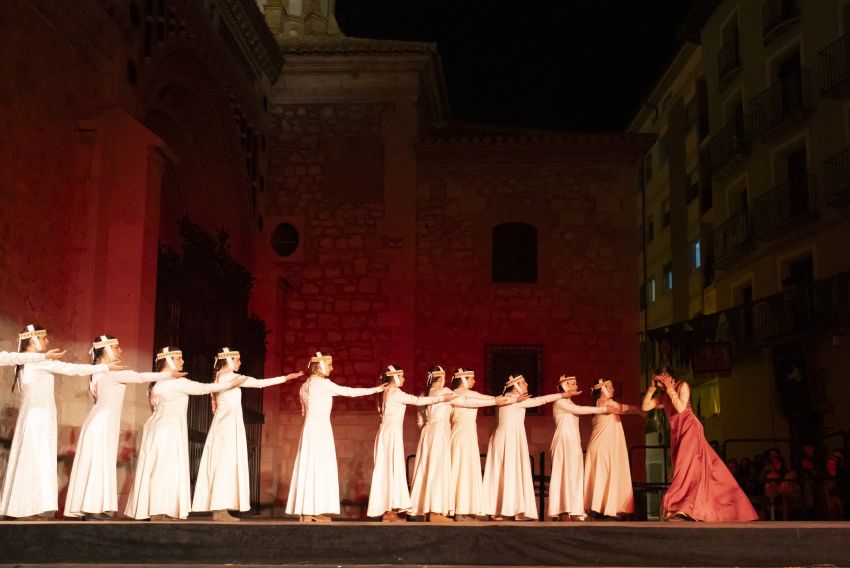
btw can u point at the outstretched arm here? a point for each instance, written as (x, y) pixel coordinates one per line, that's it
(351, 392)
(72, 369)
(252, 383)
(409, 399)
(574, 408)
(194, 388)
(13, 358)
(134, 377)
(540, 400)
(615, 407)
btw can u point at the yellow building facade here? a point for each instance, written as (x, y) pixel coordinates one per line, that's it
(745, 269)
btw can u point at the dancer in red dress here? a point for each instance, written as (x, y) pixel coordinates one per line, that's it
(702, 488)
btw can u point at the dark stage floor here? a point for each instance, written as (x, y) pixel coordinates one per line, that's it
(274, 542)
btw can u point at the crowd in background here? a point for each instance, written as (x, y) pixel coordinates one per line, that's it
(815, 487)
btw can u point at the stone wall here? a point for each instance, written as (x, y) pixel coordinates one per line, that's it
(582, 309)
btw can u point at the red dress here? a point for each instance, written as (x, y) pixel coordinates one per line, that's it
(702, 486)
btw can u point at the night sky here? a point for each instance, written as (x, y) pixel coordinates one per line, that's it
(580, 65)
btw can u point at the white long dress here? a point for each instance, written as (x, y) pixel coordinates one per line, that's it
(223, 478)
(431, 491)
(508, 485)
(566, 488)
(314, 489)
(607, 476)
(466, 483)
(389, 489)
(31, 486)
(93, 487)
(12, 358)
(161, 485)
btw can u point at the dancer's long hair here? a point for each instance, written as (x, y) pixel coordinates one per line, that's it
(24, 343)
(385, 379)
(97, 353)
(432, 379)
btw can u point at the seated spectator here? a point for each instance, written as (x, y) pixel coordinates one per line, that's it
(830, 500)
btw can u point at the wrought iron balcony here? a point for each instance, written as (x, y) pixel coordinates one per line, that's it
(729, 147)
(784, 207)
(834, 67)
(783, 104)
(838, 179)
(776, 16)
(728, 61)
(733, 240)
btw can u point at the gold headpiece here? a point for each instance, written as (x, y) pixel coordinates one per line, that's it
(603, 383)
(322, 360)
(512, 380)
(226, 353)
(167, 353)
(565, 378)
(438, 374)
(31, 333)
(104, 342)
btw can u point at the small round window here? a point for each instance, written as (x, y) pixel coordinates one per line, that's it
(285, 239)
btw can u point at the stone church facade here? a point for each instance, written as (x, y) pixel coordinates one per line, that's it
(369, 223)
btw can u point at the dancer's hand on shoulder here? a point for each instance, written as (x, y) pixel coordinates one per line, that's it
(448, 397)
(238, 380)
(54, 354)
(176, 374)
(116, 366)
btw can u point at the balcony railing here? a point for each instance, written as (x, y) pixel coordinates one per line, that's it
(776, 16)
(780, 105)
(784, 207)
(733, 240)
(822, 306)
(728, 147)
(728, 61)
(834, 66)
(838, 179)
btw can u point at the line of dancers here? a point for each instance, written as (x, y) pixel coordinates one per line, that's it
(447, 480)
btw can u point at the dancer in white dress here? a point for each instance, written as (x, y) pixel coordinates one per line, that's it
(161, 488)
(389, 495)
(508, 485)
(314, 489)
(223, 475)
(467, 487)
(30, 487)
(432, 493)
(566, 488)
(607, 477)
(93, 486)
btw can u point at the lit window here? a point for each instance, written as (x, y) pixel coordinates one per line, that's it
(668, 277)
(695, 255)
(650, 290)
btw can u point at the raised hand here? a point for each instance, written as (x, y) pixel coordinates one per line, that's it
(667, 381)
(54, 354)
